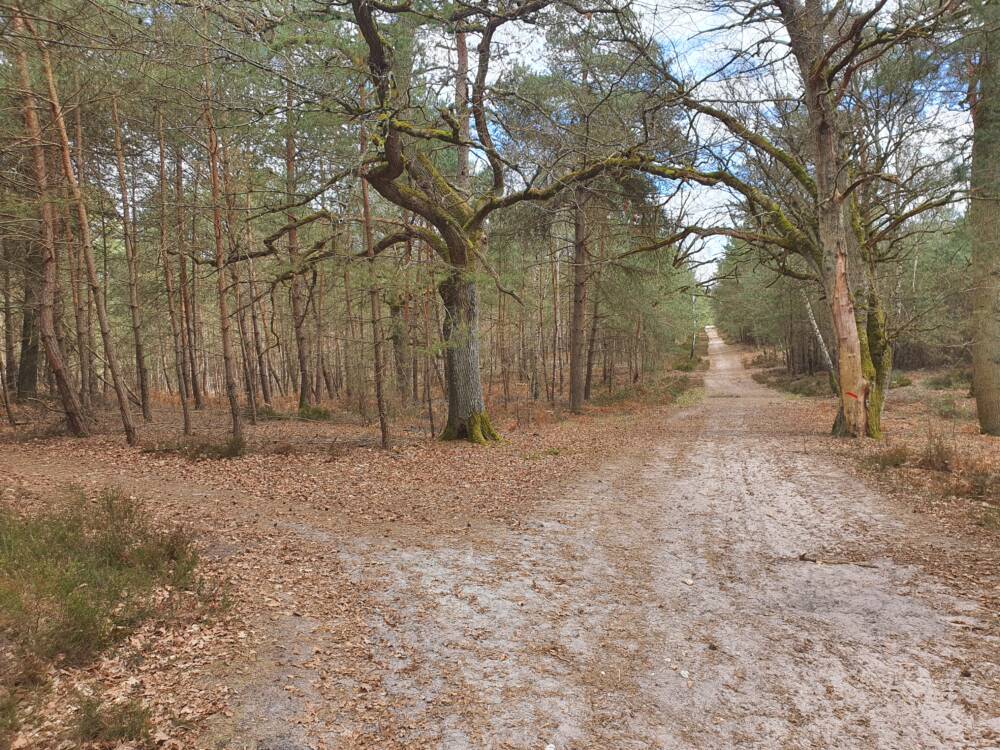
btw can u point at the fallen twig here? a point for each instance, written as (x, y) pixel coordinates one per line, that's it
(806, 557)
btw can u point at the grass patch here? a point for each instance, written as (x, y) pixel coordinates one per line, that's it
(978, 479)
(991, 519)
(663, 390)
(109, 723)
(801, 385)
(201, 448)
(950, 379)
(314, 414)
(269, 414)
(890, 457)
(946, 408)
(900, 381)
(76, 580)
(8, 714)
(691, 365)
(765, 359)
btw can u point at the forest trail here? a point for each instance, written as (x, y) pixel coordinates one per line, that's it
(664, 604)
(662, 601)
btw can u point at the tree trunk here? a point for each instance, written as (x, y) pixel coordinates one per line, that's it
(984, 223)
(10, 363)
(47, 326)
(132, 261)
(591, 351)
(298, 306)
(186, 298)
(400, 336)
(467, 418)
(83, 219)
(176, 326)
(876, 352)
(373, 295)
(834, 242)
(79, 313)
(27, 369)
(228, 359)
(577, 337)
(259, 341)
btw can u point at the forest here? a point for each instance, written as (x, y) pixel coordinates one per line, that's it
(357, 294)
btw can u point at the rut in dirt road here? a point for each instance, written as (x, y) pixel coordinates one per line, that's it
(663, 604)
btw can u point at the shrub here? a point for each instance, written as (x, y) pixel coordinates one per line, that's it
(8, 713)
(900, 381)
(981, 480)
(892, 457)
(946, 408)
(950, 379)
(198, 448)
(74, 581)
(937, 455)
(991, 519)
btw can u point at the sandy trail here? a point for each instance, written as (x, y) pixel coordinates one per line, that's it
(660, 602)
(664, 604)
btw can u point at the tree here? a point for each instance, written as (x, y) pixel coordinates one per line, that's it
(984, 217)
(403, 170)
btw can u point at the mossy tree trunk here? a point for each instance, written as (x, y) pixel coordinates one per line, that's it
(467, 417)
(876, 354)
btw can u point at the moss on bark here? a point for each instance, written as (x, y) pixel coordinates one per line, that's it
(476, 429)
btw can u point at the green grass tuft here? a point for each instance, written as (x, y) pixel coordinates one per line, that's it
(111, 723)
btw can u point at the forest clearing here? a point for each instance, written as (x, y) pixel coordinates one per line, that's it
(521, 374)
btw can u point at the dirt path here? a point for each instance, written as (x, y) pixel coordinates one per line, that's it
(661, 602)
(664, 604)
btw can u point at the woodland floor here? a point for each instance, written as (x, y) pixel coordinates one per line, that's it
(719, 574)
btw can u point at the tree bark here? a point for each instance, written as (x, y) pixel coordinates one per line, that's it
(298, 305)
(186, 300)
(10, 363)
(400, 336)
(27, 368)
(591, 352)
(807, 25)
(467, 418)
(373, 295)
(984, 222)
